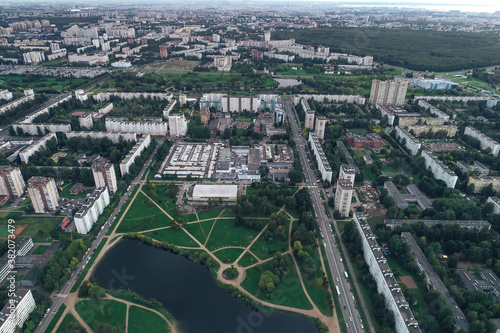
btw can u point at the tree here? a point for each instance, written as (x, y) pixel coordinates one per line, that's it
(96, 291)
(268, 281)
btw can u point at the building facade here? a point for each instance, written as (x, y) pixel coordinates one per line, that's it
(104, 175)
(323, 164)
(388, 92)
(409, 141)
(17, 311)
(309, 119)
(439, 170)
(146, 126)
(177, 125)
(43, 194)
(136, 151)
(486, 142)
(11, 181)
(343, 196)
(91, 209)
(320, 127)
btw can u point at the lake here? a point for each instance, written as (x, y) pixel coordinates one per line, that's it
(189, 292)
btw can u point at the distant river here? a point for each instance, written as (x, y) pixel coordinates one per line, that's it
(189, 292)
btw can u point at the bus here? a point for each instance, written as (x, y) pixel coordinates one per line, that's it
(338, 290)
(345, 274)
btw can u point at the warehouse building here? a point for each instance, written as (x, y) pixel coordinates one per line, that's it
(224, 192)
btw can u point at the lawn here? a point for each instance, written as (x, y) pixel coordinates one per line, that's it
(372, 221)
(288, 292)
(102, 310)
(315, 291)
(4, 231)
(42, 83)
(190, 217)
(264, 250)
(341, 225)
(67, 325)
(229, 255)
(54, 321)
(39, 227)
(359, 131)
(141, 320)
(225, 234)
(247, 260)
(200, 230)
(209, 214)
(40, 249)
(143, 215)
(159, 195)
(177, 237)
(65, 192)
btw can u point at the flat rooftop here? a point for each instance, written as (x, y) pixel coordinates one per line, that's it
(215, 191)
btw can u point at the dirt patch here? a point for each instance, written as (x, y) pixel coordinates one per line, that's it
(19, 229)
(408, 281)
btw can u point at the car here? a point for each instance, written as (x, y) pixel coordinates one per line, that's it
(337, 279)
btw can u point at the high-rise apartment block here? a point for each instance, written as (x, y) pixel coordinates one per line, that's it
(320, 127)
(11, 181)
(17, 311)
(104, 175)
(163, 52)
(177, 125)
(91, 210)
(309, 120)
(343, 196)
(388, 92)
(43, 194)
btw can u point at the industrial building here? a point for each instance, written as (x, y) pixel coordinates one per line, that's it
(439, 170)
(224, 192)
(395, 301)
(43, 194)
(241, 163)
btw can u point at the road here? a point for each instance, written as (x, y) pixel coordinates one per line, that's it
(346, 298)
(59, 298)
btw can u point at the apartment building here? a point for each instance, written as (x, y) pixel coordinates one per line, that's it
(388, 92)
(43, 194)
(27, 152)
(150, 126)
(114, 137)
(136, 151)
(343, 196)
(423, 130)
(409, 141)
(309, 119)
(433, 110)
(177, 125)
(481, 182)
(17, 311)
(439, 170)
(385, 112)
(320, 127)
(11, 181)
(104, 175)
(496, 204)
(321, 98)
(486, 142)
(323, 164)
(91, 209)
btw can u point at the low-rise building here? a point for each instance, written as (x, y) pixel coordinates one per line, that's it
(206, 192)
(370, 140)
(476, 166)
(414, 196)
(481, 182)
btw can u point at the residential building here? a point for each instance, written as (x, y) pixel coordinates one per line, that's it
(104, 96)
(163, 52)
(486, 142)
(205, 115)
(5, 94)
(323, 164)
(388, 92)
(433, 110)
(104, 175)
(11, 181)
(439, 170)
(476, 166)
(309, 119)
(147, 126)
(8, 261)
(402, 201)
(423, 130)
(91, 209)
(351, 99)
(27, 152)
(81, 95)
(468, 224)
(343, 196)
(406, 120)
(177, 125)
(240, 103)
(320, 127)
(86, 120)
(348, 157)
(496, 204)
(395, 301)
(43, 194)
(408, 140)
(41, 129)
(481, 182)
(490, 102)
(136, 151)
(6, 107)
(114, 137)
(385, 112)
(169, 108)
(17, 311)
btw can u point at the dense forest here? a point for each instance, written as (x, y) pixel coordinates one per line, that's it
(417, 50)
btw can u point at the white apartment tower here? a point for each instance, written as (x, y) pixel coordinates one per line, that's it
(11, 181)
(12, 318)
(320, 127)
(343, 196)
(177, 125)
(388, 92)
(104, 175)
(267, 36)
(91, 210)
(43, 194)
(309, 119)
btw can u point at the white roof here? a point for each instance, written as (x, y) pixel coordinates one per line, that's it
(211, 191)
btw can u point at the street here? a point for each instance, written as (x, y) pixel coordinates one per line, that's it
(346, 298)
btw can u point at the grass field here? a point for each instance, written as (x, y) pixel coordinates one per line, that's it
(141, 320)
(264, 250)
(67, 324)
(4, 231)
(228, 256)
(12, 82)
(209, 214)
(177, 237)
(225, 234)
(38, 227)
(190, 217)
(65, 192)
(41, 249)
(102, 310)
(143, 215)
(200, 230)
(288, 292)
(247, 260)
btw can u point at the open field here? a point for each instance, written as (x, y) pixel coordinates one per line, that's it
(41, 84)
(225, 234)
(40, 249)
(141, 320)
(102, 310)
(177, 237)
(67, 324)
(38, 227)
(200, 230)
(229, 255)
(138, 218)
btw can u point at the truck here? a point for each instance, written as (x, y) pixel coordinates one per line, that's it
(338, 290)
(345, 274)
